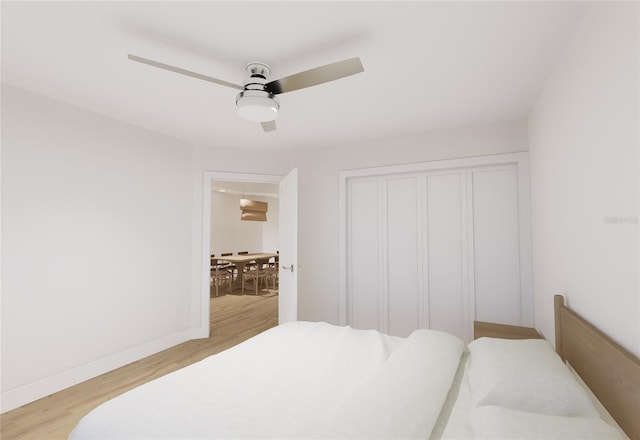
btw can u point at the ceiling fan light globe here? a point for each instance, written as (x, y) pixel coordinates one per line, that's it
(257, 106)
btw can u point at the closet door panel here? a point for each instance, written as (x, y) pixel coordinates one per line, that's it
(402, 255)
(444, 254)
(495, 245)
(363, 254)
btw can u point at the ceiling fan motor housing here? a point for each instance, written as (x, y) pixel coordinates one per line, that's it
(254, 102)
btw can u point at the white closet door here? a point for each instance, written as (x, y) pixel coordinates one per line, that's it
(496, 273)
(403, 296)
(364, 253)
(438, 247)
(444, 269)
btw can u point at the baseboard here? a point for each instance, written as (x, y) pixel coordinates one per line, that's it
(31, 392)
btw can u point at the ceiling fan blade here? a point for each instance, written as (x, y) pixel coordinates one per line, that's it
(268, 126)
(183, 71)
(313, 77)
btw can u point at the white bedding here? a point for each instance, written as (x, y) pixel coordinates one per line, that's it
(453, 422)
(463, 419)
(316, 380)
(500, 423)
(525, 375)
(298, 380)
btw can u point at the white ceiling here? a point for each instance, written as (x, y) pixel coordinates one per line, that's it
(427, 64)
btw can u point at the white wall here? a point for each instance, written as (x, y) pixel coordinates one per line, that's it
(230, 234)
(584, 177)
(96, 244)
(318, 221)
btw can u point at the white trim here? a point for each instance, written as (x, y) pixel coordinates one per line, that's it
(41, 388)
(465, 162)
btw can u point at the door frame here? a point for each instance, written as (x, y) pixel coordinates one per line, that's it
(209, 177)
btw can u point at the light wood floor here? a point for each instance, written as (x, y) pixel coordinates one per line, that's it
(234, 318)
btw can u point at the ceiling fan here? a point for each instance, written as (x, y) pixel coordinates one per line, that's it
(257, 98)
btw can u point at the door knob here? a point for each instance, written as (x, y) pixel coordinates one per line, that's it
(287, 268)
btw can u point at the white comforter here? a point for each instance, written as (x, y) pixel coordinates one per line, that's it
(298, 380)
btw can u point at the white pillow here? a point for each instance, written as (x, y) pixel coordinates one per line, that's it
(495, 422)
(525, 375)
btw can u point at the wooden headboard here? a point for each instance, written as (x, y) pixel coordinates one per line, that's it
(610, 371)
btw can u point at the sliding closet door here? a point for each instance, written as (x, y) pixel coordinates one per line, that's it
(364, 277)
(384, 255)
(446, 246)
(496, 274)
(403, 239)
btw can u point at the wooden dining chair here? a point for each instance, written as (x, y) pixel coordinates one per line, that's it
(257, 274)
(230, 267)
(220, 274)
(271, 269)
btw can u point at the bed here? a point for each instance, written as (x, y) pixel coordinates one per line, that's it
(316, 380)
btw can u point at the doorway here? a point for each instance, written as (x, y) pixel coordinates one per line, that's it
(287, 214)
(242, 234)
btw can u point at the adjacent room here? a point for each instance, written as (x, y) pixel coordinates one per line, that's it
(244, 248)
(298, 179)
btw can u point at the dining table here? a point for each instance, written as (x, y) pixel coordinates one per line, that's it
(241, 262)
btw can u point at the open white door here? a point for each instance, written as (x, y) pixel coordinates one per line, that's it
(288, 233)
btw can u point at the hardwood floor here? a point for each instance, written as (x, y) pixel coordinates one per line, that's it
(234, 318)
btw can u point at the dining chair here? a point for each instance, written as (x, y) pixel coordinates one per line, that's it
(257, 274)
(220, 274)
(272, 270)
(230, 267)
